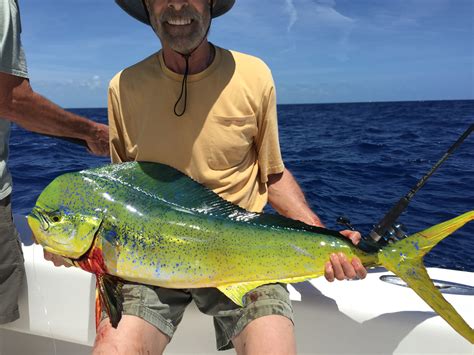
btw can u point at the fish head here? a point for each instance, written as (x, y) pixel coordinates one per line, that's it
(63, 220)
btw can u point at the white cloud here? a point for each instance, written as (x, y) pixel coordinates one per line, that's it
(291, 9)
(321, 13)
(322, 18)
(93, 83)
(405, 16)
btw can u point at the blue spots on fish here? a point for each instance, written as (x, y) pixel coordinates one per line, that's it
(412, 272)
(416, 245)
(110, 236)
(65, 210)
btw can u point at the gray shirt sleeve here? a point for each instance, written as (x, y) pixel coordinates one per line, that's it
(12, 57)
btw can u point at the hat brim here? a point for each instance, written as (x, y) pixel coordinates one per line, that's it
(136, 8)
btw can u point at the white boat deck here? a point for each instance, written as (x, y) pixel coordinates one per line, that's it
(369, 316)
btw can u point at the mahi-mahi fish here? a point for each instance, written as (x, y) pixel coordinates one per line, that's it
(149, 223)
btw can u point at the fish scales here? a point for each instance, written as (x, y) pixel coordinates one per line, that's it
(149, 238)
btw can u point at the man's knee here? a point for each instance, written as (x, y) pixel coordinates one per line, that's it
(132, 336)
(272, 334)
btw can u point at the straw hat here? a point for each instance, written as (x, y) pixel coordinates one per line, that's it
(136, 8)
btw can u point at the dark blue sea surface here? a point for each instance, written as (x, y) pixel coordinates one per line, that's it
(355, 159)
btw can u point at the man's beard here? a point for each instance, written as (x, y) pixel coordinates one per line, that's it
(185, 38)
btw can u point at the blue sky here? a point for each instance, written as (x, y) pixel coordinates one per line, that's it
(319, 50)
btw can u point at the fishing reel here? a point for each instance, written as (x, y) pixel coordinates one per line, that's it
(393, 234)
(374, 241)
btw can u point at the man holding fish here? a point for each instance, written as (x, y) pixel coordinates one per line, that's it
(210, 113)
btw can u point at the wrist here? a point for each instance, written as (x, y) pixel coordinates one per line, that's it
(90, 130)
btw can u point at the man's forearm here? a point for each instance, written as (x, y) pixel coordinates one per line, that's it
(36, 113)
(287, 198)
(20, 104)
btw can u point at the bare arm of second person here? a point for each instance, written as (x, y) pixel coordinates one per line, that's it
(287, 198)
(20, 104)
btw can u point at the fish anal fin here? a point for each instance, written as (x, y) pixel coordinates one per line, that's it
(109, 296)
(236, 292)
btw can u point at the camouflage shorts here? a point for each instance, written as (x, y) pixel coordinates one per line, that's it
(164, 308)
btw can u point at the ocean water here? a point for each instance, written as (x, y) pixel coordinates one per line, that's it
(355, 160)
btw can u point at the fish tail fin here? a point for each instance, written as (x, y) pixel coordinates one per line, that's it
(405, 259)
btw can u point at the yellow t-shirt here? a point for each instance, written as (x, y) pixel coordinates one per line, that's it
(228, 137)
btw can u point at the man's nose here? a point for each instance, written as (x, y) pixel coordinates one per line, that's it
(177, 5)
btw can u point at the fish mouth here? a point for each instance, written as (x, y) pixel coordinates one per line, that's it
(37, 213)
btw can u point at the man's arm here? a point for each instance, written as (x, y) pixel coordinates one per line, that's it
(287, 198)
(20, 104)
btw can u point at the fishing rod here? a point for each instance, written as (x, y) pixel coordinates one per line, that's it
(387, 231)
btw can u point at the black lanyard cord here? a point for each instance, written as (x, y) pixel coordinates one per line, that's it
(184, 83)
(184, 88)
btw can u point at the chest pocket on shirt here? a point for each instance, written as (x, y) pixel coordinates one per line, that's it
(231, 139)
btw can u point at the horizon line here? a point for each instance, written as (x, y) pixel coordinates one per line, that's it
(320, 103)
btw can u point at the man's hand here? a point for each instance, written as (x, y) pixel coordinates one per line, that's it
(339, 266)
(98, 143)
(56, 259)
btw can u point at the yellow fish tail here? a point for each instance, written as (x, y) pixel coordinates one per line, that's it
(405, 259)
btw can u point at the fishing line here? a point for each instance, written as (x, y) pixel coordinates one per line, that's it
(77, 141)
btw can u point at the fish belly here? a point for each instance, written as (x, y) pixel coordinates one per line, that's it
(196, 254)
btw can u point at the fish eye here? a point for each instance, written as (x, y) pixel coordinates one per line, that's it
(55, 216)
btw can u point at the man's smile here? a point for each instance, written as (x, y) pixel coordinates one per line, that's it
(179, 22)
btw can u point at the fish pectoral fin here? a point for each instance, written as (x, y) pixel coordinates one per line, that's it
(236, 292)
(109, 293)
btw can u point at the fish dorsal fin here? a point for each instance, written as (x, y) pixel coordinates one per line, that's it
(170, 186)
(271, 220)
(162, 183)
